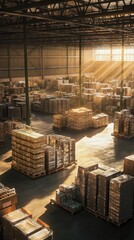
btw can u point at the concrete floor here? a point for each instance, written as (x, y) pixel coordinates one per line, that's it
(98, 145)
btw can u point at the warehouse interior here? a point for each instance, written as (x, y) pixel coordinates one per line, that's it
(66, 119)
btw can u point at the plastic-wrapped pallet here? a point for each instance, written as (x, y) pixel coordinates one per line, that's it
(128, 167)
(92, 189)
(81, 180)
(28, 152)
(10, 220)
(121, 199)
(103, 190)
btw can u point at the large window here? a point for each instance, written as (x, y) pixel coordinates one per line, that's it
(114, 54)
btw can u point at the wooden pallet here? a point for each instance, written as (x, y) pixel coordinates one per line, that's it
(53, 201)
(32, 175)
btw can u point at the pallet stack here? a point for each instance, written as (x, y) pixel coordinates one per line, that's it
(59, 152)
(66, 198)
(14, 112)
(28, 152)
(128, 167)
(92, 189)
(1, 92)
(79, 118)
(103, 190)
(81, 180)
(8, 199)
(16, 90)
(59, 121)
(100, 120)
(20, 225)
(121, 199)
(22, 106)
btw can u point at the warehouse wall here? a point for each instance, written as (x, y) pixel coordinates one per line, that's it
(43, 61)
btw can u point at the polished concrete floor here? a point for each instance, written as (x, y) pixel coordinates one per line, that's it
(98, 145)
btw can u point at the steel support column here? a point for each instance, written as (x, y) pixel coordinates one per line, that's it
(26, 74)
(42, 61)
(9, 62)
(80, 69)
(122, 74)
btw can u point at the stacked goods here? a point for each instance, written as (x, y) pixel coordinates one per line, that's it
(3, 111)
(89, 90)
(64, 149)
(79, 118)
(2, 132)
(94, 85)
(8, 199)
(121, 199)
(99, 102)
(81, 180)
(58, 94)
(103, 190)
(59, 121)
(126, 91)
(10, 220)
(69, 87)
(22, 106)
(16, 90)
(58, 105)
(36, 106)
(14, 113)
(1, 92)
(100, 120)
(92, 189)
(45, 103)
(66, 198)
(128, 167)
(124, 124)
(9, 126)
(50, 159)
(106, 90)
(28, 152)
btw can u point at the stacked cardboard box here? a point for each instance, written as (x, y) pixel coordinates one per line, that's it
(92, 189)
(79, 118)
(100, 120)
(59, 121)
(81, 180)
(121, 199)
(128, 167)
(28, 152)
(44, 234)
(9, 126)
(8, 199)
(103, 190)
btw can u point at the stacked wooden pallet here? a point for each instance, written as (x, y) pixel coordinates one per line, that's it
(92, 189)
(9, 126)
(99, 102)
(121, 199)
(79, 118)
(67, 87)
(8, 199)
(103, 190)
(20, 225)
(128, 167)
(81, 180)
(28, 152)
(54, 105)
(59, 121)
(100, 120)
(59, 152)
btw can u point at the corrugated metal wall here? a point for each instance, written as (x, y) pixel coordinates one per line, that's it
(41, 61)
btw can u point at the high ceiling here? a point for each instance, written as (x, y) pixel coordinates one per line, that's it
(94, 22)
